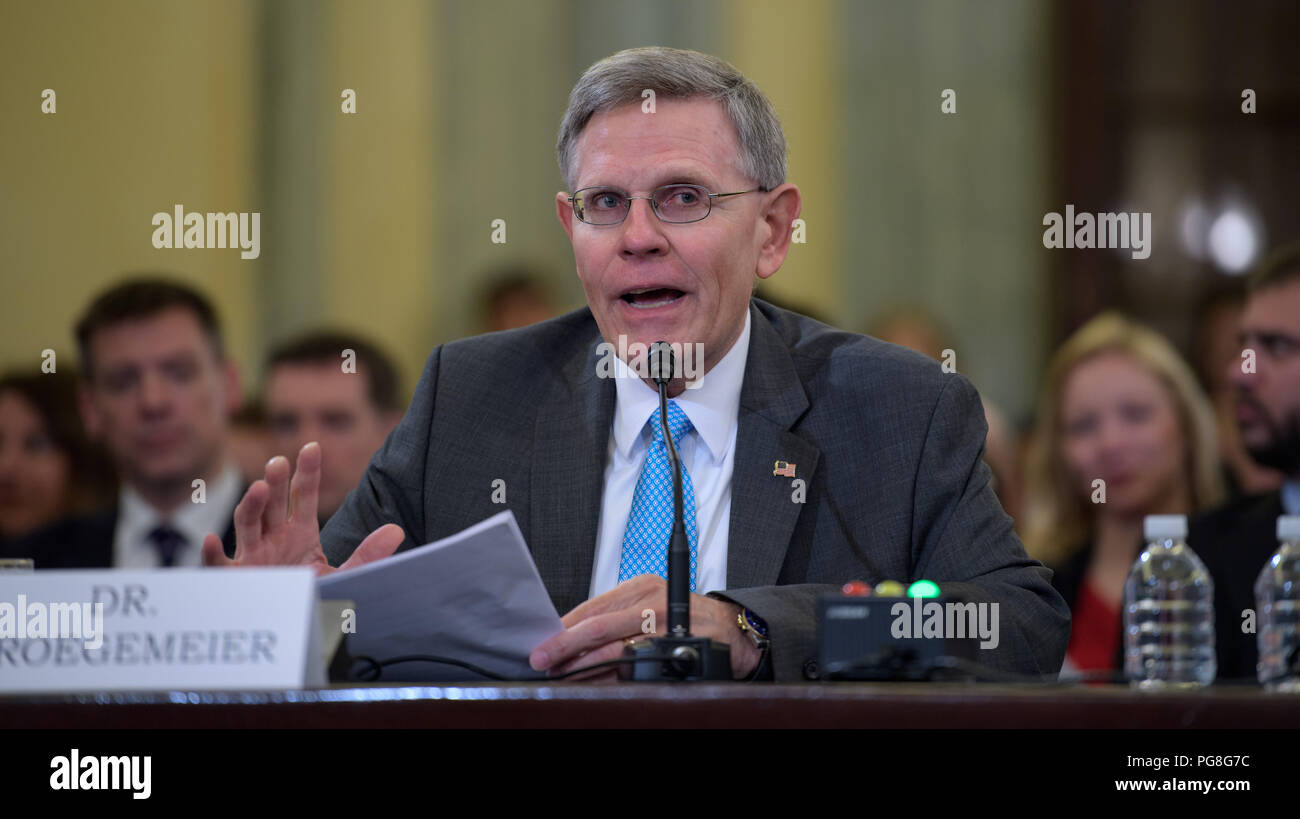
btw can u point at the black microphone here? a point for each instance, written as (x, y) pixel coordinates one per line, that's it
(662, 369)
(679, 656)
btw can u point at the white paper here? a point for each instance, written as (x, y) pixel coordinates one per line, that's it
(475, 597)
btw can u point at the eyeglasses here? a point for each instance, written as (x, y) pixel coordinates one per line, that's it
(677, 204)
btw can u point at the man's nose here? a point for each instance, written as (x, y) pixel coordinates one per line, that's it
(154, 393)
(642, 230)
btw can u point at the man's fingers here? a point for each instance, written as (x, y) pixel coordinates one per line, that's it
(585, 636)
(304, 491)
(248, 519)
(625, 595)
(609, 651)
(277, 506)
(214, 552)
(588, 608)
(378, 544)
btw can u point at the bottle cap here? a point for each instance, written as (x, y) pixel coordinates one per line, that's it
(1162, 527)
(1288, 527)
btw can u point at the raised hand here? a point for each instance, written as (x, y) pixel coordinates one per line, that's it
(275, 523)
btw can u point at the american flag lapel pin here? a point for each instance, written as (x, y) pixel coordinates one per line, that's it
(783, 469)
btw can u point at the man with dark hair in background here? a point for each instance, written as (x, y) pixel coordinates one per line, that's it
(156, 390)
(1238, 538)
(340, 391)
(248, 440)
(1216, 355)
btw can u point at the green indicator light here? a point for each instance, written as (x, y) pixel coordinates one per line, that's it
(923, 588)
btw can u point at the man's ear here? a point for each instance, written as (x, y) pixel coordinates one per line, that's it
(86, 409)
(564, 212)
(783, 207)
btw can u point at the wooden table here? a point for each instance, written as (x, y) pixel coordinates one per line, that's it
(628, 705)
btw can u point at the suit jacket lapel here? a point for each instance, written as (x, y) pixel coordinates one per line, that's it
(763, 509)
(570, 442)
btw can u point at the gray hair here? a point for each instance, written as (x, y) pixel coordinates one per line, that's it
(676, 74)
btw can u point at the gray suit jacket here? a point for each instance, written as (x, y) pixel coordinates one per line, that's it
(888, 444)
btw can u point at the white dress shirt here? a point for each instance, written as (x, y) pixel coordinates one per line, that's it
(707, 452)
(132, 548)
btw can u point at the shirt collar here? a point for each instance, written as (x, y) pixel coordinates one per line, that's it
(193, 520)
(713, 406)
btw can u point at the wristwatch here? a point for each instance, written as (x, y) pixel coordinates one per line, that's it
(756, 630)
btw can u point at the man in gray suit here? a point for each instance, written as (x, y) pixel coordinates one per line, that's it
(812, 456)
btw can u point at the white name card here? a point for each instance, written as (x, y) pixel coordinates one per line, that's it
(164, 629)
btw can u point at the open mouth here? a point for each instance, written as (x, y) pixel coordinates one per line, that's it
(652, 297)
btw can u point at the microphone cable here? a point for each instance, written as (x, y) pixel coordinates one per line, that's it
(375, 667)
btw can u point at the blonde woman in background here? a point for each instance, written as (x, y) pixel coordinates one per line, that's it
(1121, 406)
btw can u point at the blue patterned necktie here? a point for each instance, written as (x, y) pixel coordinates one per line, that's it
(650, 526)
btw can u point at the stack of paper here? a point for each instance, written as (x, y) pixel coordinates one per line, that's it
(475, 597)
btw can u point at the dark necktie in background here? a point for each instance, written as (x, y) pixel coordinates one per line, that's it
(168, 542)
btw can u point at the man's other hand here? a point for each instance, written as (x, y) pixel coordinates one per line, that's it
(596, 631)
(275, 523)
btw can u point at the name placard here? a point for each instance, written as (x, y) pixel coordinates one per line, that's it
(164, 629)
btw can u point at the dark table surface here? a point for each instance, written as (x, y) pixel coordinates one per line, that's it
(631, 705)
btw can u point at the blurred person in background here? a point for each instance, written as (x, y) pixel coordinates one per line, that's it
(157, 390)
(918, 330)
(1118, 406)
(48, 470)
(346, 404)
(249, 440)
(767, 294)
(517, 297)
(1236, 540)
(1217, 353)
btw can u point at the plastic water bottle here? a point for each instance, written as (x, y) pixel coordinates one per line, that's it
(1168, 611)
(1277, 601)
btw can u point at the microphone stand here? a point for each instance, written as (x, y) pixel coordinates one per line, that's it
(679, 657)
